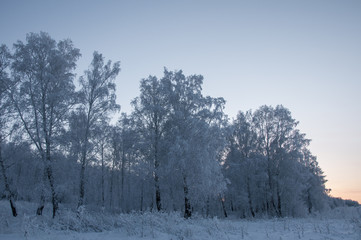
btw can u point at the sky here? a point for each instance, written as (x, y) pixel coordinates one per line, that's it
(305, 55)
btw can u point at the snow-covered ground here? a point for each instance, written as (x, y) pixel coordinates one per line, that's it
(341, 223)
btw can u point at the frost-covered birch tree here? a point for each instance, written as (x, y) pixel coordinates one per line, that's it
(97, 101)
(194, 137)
(270, 167)
(44, 94)
(150, 114)
(244, 167)
(5, 119)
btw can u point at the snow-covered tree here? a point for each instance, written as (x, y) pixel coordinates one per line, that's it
(244, 167)
(270, 167)
(175, 150)
(151, 114)
(194, 137)
(44, 94)
(97, 101)
(5, 119)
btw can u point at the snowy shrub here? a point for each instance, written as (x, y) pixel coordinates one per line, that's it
(4, 224)
(357, 224)
(341, 213)
(356, 220)
(84, 221)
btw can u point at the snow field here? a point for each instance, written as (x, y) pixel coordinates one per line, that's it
(341, 223)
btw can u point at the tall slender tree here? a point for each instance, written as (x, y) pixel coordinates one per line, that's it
(150, 113)
(97, 100)
(5, 119)
(44, 94)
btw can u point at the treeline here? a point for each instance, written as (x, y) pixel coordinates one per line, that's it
(176, 150)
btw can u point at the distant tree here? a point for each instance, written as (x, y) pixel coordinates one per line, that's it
(315, 192)
(244, 166)
(270, 166)
(115, 146)
(128, 151)
(102, 144)
(44, 94)
(137, 164)
(264, 122)
(97, 100)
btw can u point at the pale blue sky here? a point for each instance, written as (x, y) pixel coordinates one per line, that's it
(305, 55)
